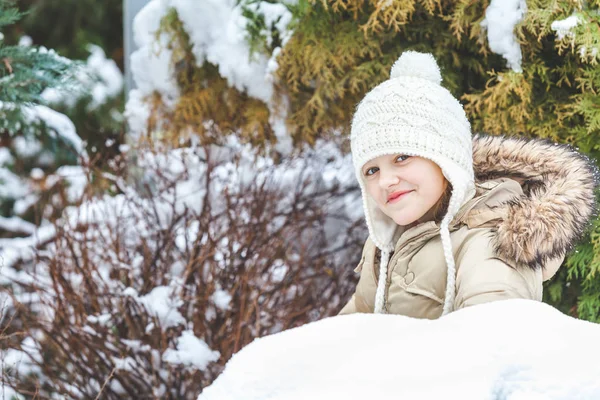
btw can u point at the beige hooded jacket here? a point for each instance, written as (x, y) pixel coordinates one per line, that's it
(533, 200)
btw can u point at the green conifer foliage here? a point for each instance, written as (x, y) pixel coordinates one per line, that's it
(29, 145)
(75, 25)
(26, 71)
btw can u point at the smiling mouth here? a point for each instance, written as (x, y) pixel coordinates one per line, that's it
(398, 196)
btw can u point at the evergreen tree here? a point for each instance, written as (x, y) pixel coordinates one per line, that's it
(35, 140)
(77, 27)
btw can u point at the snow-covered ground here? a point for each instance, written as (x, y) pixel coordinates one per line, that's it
(509, 350)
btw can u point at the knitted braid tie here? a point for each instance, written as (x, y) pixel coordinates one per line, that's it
(380, 294)
(451, 269)
(447, 246)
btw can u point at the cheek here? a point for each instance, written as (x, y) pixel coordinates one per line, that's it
(431, 187)
(374, 191)
(371, 190)
(437, 186)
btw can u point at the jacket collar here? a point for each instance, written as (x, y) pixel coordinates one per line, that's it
(557, 200)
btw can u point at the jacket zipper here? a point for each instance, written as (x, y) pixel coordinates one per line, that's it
(389, 274)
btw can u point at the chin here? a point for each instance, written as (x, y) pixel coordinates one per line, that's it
(403, 221)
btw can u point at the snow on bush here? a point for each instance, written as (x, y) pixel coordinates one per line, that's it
(512, 349)
(18, 192)
(151, 67)
(191, 351)
(564, 27)
(24, 192)
(218, 34)
(100, 78)
(500, 20)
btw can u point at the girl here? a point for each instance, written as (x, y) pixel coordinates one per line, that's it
(453, 220)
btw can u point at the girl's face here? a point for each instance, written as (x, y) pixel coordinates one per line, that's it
(405, 188)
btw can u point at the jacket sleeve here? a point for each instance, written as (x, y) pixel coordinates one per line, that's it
(482, 276)
(350, 307)
(358, 303)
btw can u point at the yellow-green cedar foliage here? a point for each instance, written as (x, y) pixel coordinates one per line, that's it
(342, 48)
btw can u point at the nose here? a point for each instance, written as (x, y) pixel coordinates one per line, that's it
(387, 178)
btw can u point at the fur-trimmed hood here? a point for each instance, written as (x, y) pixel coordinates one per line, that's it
(558, 200)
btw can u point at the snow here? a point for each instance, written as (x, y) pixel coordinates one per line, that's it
(11, 185)
(218, 34)
(59, 123)
(26, 147)
(275, 15)
(9, 393)
(110, 77)
(511, 349)
(13, 359)
(564, 27)
(125, 364)
(217, 30)
(6, 303)
(25, 201)
(278, 270)
(36, 173)
(162, 303)
(76, 180)
(136, 345)
(11, 250)
(501, 17)
(191, 351)
(152, 71)
(16, 224)
(151, 67)
(136, 220)
(25, 41)
(100, 77)
(5, 156)
(221, 298)
(100, 319)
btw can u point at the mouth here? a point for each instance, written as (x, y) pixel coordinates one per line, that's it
(392, 198)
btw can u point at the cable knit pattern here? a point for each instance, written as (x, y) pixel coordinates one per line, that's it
(412, 114)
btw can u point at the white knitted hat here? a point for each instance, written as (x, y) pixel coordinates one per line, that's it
(412, 114)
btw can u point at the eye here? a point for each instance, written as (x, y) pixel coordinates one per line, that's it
(402, 157)
(371, 171)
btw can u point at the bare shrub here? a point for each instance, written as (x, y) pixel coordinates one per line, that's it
(222, 245)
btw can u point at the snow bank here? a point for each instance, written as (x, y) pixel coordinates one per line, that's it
(513, 349)
(500, 20)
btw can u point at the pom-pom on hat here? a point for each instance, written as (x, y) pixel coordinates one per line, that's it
(412, 114)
